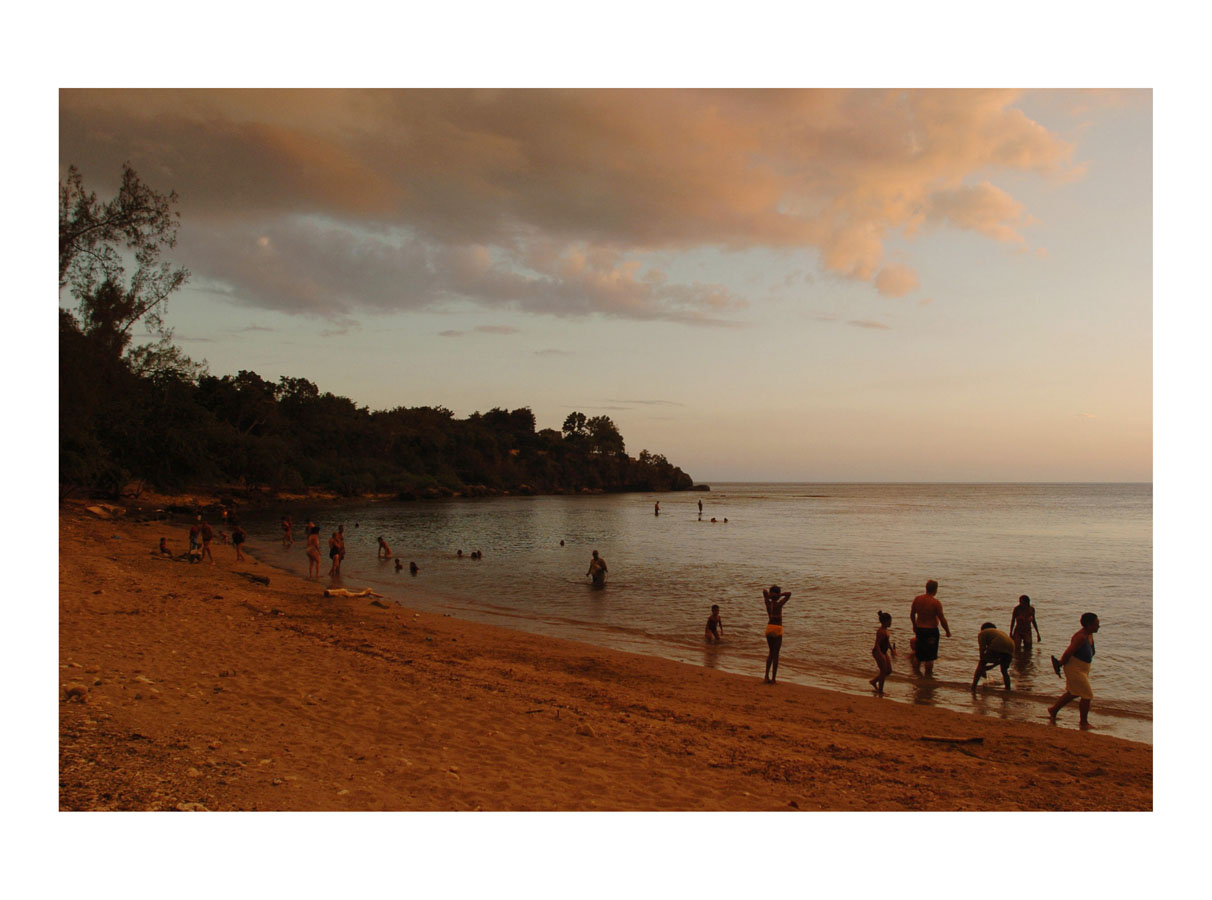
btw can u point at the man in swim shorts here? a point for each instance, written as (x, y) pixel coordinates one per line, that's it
(926, 614)
(996, 650)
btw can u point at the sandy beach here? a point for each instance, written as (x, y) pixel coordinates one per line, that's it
(191, 687)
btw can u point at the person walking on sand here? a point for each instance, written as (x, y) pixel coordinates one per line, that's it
(1075, 662)
(597, 569)
(775, 600)
(996, 650)
(195, 541)
(313, 552)
(1021, 621)
(336, 550)
(208, 535)
(881, 651)
(715, 627)
(238, 536)
(384, 550)
(926, 614)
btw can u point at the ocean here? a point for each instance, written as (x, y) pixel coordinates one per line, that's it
(844, 551)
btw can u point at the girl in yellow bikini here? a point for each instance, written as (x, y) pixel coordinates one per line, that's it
(775, 600)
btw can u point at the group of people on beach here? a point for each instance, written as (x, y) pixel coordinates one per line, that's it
(995, 647)
(202, 535)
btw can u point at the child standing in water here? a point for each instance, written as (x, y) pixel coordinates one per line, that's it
(882, 652)
(715, 627)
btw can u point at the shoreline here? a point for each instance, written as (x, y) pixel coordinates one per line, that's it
(194, 687)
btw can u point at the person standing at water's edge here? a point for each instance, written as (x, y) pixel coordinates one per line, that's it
(775, 600)
(881, 652)
(597, 569)
(313, 551)
(715, 627)
(1021, 621)
(336, 550)
(1075, 662)
(926, 614)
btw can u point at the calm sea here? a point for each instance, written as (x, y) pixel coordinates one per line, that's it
(844, 551)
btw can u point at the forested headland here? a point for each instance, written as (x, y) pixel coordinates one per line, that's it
(145, 415)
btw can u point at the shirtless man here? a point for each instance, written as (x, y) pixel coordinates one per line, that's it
(313, 552)
(597, 569)
(1021, 621)
(336, 550)
(208, 535)
(926, 614)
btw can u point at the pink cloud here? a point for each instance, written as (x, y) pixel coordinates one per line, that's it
(546, 200)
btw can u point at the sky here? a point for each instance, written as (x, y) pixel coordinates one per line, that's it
(785, 285)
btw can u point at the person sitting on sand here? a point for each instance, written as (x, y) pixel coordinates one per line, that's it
(926, 614)
(164, 551)
(238, 536)
(313, 552)
(715, 627)
(775, 600)
(996, 650)
(384, 550)
(597, 569)
(881, 651)
(1021, 621)
(208, 535)
(1075, 662)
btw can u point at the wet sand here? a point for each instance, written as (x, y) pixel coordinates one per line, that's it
(194, 687)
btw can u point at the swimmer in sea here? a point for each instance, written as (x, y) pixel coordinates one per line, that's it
(384, 550)
(413, 569)
(881, 651)
(715, 627)
(399, 565)
(597, 569)
(775, 600)
(1021, 621)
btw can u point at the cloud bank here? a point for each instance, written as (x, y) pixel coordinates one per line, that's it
(331, 203)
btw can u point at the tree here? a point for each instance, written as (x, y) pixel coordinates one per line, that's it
(574, 425)
(604, 437)
(94, 240)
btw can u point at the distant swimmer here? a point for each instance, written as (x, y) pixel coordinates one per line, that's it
(561, 543)
(715, 627)
(996, 651)
(775, 601)
(459, 553)
(926, 614)
(1022, 619)
(399, 565)
(597, 569)
(313, 551)
(882, 651)
(413, 568)
(700, 507)
(384, 550)
(1075, 663)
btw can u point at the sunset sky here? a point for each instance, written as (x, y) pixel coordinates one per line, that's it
(869, 285)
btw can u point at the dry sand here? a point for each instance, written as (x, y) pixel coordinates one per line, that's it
(192, 687)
